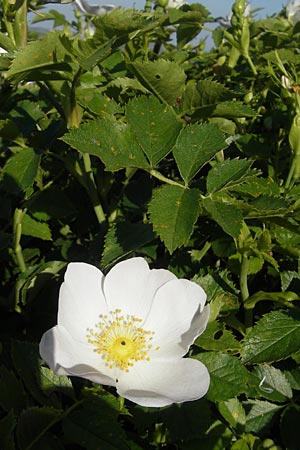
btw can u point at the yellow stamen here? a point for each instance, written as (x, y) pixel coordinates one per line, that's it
(120, 340)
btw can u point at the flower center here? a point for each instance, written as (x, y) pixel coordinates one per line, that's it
(120, 340)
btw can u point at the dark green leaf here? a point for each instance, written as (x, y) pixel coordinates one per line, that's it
(228, 216)
(228, 174)
(173, 213)
(33, 424)
(276, 336)
(154, 125)
(196, 146)
(289, 427)
(259, 415)
(7, 426)
(12, 394)
(123, 238)
(273, 384)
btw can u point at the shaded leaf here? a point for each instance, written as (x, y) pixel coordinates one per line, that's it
(123, 238)
(259, 415)
(34, 228)
(216, 337)
(228, 174)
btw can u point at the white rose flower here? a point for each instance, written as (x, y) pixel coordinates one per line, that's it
(176, 3)
(293, 11)
(130, 329)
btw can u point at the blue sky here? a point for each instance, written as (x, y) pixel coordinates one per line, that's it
(216, 7)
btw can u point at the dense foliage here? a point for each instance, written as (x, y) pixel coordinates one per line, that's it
(123, 135)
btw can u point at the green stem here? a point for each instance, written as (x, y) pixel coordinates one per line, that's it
(161, 177)
(92, 189)
(17, 233)
(244, 289)
(251, 64)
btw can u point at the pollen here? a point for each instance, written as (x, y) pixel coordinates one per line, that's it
(120, 340)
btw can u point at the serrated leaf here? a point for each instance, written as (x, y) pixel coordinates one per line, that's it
(33, 424)
(50, 382)
(216, 337)
(112, 141)
(203, 93)
(123, 238)
(276, 336)
(260, 415)
(229, 110)
(259, 186)
(173, 213)
(97, 103)
(196, 146)
(273, 383)
(34, 228)
(228, 377)
(229, 217)
(20, 171)
(164, 78)
(154, 125)
(40, 56)
(269, 205)
(227, 174)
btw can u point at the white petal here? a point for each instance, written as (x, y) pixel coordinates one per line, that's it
(198, 325)
(81, 299)
(162, 382)
(174, 311)
(130, 286)
(66, 356)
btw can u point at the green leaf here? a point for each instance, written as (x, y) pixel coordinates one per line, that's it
(6, 43)
(7, 426)
(113, 142)
(34, 228)
(12, 394)
(203, 93)
(123, 238)
(196, 146)
(97, 103)
(173, 213)
(95, 425)
(154, 125)
(40, 59)
(276, 336)
(228, 174)
(233, 412)
(20, 171)
(259, 415)
(164, 78)
(273, 383)
(33, 424)
(227, 216)
(228, 377)
(216, 337)
(50, 382)
(229, 110)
